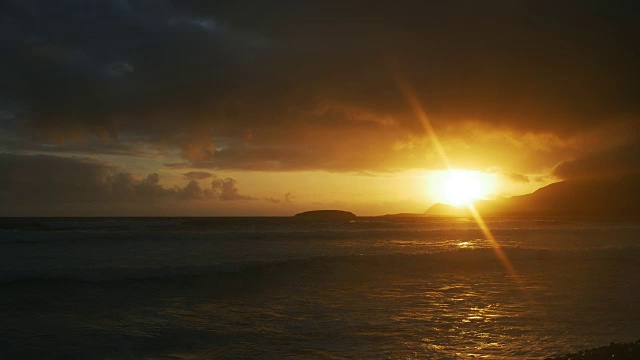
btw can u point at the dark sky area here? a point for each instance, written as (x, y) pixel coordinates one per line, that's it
(528, 86)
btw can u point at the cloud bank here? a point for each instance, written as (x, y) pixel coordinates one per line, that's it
(46, 179)
(310, 85)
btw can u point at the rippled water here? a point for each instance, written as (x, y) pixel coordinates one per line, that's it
(279, 287)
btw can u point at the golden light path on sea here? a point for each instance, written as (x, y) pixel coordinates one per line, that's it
(421, 114)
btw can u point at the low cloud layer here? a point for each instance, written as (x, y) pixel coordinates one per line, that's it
(197, 175)
(226, 189)
(45, 179)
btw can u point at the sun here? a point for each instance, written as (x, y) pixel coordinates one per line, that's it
(460, 187)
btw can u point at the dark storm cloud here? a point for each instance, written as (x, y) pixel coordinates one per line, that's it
(81, 145)
(45, 178)
(49, 179)
(113, 67)
(613, 162)
(309, 85)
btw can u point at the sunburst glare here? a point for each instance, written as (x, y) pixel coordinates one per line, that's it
(460, 187)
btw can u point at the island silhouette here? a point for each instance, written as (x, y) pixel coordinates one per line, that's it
(326, 214)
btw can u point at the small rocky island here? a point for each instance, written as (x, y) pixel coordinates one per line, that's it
(326, 214)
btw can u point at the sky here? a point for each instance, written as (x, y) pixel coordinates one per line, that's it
(227, 108)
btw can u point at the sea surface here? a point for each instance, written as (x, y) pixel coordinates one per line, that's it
(271, 288)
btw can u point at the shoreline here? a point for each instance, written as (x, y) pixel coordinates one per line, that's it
(624, 351)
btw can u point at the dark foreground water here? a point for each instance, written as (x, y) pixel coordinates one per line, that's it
(282, 287)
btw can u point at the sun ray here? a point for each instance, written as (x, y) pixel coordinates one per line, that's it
(421, 114)
(418, 109)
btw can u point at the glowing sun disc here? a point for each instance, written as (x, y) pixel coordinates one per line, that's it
(460, 187)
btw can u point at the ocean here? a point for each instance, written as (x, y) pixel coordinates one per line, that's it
(271, 288)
